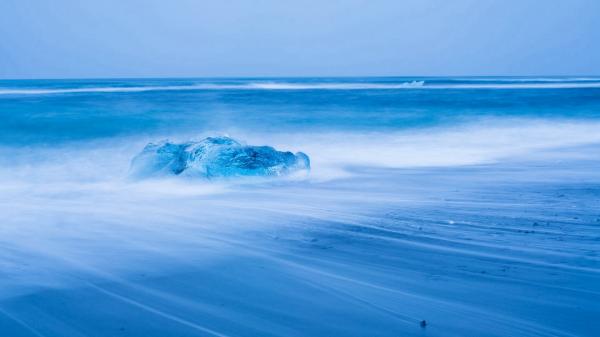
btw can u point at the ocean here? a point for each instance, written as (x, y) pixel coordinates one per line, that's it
(470, 203)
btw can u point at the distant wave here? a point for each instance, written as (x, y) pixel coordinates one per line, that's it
(215, 86)
(96, 89)
(420, 85)
(551, 85)
(334, 86)
(528, 79)
(503, 84)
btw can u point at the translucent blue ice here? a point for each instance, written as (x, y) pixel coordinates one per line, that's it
(215, 157)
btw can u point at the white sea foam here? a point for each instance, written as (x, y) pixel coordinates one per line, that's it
(487, 141)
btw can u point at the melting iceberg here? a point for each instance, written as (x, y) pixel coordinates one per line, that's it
(215, 157)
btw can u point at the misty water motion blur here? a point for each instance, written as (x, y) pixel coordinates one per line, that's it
(467, 203)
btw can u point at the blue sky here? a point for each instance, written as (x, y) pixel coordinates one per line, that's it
(188, 38)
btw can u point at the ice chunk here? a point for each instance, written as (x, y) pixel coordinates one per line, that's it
(215, 157)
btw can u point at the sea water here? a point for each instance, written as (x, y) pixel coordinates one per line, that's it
(472, 204)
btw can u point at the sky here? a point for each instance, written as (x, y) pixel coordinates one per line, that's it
(247, 38)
